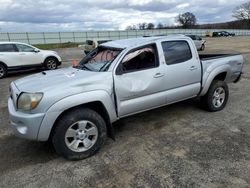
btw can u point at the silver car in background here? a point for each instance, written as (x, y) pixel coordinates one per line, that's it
(198, 41)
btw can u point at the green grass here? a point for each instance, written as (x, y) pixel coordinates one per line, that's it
(53, 46)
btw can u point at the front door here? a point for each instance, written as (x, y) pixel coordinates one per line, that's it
(138, 85)
(28, 55)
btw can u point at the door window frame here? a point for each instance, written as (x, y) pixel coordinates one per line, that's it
(187, 42)
(13, 45)
(24, 45)
(120, 71)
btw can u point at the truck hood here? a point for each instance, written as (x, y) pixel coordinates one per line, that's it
(69, 80)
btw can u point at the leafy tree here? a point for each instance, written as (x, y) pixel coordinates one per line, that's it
(187, 20)
(150, 26)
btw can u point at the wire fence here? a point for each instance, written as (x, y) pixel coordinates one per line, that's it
(80, 37)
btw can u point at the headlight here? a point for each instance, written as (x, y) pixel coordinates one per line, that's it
(28, 101)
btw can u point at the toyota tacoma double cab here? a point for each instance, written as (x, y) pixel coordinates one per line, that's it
(75, 107)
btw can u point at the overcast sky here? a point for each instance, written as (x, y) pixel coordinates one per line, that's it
(77, 15)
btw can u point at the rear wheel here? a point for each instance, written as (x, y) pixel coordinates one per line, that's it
(79, 134)
(216, 97)
(51, 63)
(3, 71)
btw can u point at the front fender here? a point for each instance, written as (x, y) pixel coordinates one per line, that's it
(75, 100)
(208, 77)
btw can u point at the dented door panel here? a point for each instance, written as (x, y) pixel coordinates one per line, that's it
(138, 91)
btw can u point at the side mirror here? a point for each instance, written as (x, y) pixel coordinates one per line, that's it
(36, 50)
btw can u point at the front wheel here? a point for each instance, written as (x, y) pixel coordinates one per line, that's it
(3, 71)
(79, 134)
(216, 97)
(51, 63)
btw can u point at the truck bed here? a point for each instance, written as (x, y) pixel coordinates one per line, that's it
(230, 63)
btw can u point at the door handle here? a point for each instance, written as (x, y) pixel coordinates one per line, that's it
(22, 54)
(193, 68)
(158, 75)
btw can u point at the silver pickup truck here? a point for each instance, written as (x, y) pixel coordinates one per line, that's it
(75, 107)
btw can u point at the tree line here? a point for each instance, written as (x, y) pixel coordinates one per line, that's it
(188, 20)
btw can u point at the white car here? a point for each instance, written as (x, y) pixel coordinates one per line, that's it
(198, 41)
(17, 56)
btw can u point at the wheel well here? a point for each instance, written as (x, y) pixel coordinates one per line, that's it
(221, 76)
(2, 63)
(96, 106)
(50, 57)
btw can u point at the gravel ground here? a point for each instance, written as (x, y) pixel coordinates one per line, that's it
(175, 146)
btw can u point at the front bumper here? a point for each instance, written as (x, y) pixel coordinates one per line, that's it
(24, 125)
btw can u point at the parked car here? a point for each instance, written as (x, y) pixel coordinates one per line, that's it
(17, 56)
(226, 34)
(76, 106)
(199, 43)
(223, 34)
(92, 44)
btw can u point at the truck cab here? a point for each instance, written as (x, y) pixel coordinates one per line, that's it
(153, 75)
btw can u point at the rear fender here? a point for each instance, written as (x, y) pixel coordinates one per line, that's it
(208, 77)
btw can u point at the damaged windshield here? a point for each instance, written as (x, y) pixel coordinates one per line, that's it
(99, 59)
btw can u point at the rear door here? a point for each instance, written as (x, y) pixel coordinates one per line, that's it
(138, 81)
(29, 56)
(182, 70)
(9, 55)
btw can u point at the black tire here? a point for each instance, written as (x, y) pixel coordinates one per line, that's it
(66, 122)
(51, 63)
(3, 71)
(202, 47)
(207, 101)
